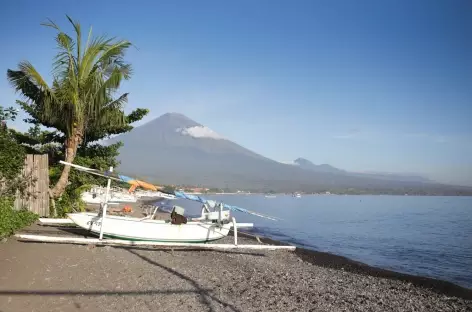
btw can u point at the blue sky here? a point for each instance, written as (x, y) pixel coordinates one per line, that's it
(361, 85)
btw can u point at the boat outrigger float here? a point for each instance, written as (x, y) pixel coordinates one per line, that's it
(214, 223)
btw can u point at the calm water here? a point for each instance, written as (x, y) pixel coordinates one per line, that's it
(428, 236)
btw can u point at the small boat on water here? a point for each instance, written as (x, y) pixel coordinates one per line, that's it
(297, 195)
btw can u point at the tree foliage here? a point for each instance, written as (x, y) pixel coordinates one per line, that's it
(12, 157)
(168, 189)
(82, 103)
(79, 108)
(8, 113)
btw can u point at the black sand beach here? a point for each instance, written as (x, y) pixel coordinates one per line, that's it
(60, 277)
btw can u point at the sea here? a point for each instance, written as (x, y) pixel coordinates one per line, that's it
(421, 235)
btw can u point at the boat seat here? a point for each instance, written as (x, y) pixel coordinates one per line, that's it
(177, 215)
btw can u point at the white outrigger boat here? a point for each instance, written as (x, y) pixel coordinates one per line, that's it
(209, 227)
(214, 223)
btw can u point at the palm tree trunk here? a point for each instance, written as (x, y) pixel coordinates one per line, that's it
(71, 145)
(52, 204)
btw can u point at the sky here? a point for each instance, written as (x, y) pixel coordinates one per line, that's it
(363, 85)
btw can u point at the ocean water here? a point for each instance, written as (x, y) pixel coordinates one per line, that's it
(427, 236)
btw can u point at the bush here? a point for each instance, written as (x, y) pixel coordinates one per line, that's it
(12, 157)
(70, 201)
(12, 220)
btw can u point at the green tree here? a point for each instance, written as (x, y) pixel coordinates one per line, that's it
(12, 156)
(8, 113)
(81, 103)
(168, 189)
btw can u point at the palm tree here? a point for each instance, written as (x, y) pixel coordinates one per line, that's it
(82, 95)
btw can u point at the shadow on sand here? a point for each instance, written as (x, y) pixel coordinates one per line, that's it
(205, 297)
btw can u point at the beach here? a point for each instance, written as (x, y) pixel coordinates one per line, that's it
(61, 277)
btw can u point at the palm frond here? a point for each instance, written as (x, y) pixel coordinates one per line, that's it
(117, 104)
(86, 79)
(33, 75)
(78, 39)
(92, 54)
(31, 84)
(51, 24)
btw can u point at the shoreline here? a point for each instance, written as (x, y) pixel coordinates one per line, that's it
(338, 262)
(334, 194)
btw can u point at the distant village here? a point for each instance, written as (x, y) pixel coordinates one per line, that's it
(348, 191)
(206, 190)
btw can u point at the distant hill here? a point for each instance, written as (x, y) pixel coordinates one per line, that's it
(173, 149)
(306, 164)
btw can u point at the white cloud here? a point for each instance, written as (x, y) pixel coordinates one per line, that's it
(200, 132)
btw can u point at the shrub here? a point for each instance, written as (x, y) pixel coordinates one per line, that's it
(12, 220)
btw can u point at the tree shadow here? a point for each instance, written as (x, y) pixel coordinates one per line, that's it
(162, 248)
(93, 292)
(188, 249)
(205, 296)
(58, 230)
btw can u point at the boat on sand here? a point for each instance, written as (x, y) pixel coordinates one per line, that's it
(214, 223)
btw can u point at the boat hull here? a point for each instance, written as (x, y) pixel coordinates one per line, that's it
(150, 230)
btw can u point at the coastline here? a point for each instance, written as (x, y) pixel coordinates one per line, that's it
(337, 262)
(334, 194)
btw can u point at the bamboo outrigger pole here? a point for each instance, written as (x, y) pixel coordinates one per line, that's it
(120, 242)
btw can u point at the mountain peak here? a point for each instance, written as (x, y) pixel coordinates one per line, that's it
(302, 161)
(173, 115)
(176, 119)
(185, 126)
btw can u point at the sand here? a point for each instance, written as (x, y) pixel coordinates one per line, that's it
(60, 277)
